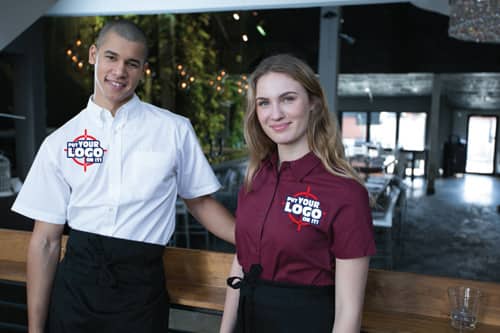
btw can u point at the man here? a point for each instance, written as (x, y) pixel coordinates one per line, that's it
(113, 172)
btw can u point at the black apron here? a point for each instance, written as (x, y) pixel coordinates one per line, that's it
(106, 284)
(273, 307)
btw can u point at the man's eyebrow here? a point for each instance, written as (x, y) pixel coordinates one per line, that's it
(131, 60)
(110, 52)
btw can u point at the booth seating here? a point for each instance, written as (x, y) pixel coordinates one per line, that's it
(196, 280)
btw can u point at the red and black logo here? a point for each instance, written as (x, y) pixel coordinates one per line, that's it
(85, 150)
(303, 209)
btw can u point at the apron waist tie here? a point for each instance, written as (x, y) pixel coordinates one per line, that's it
(246, 285)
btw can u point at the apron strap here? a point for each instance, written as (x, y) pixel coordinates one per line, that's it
(246, 286)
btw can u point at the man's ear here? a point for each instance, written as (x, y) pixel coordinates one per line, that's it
(145, 66)
(93, 54)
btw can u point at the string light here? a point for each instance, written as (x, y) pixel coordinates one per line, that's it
(218, 82)
(236, 16)
(244, 37)
(69, 52)
(148, 71)
(261, 30)
(80, 65)
(74, 58)
(78, 42)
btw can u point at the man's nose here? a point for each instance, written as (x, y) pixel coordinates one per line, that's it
(119, 68)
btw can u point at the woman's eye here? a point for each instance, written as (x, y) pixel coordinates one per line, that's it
(262, 103)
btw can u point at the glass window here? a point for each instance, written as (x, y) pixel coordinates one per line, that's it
(383, 129)
(412, 130)
(354, 132)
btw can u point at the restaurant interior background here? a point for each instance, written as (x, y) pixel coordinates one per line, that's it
(392, 58)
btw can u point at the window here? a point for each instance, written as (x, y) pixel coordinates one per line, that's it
(412, 130)
(354, 132)
(383, 129)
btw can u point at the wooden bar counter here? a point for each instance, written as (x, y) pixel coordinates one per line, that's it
(395, 302)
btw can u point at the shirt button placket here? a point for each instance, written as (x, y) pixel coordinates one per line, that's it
(115, 176)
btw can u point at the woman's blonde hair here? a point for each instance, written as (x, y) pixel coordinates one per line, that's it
(323, 135)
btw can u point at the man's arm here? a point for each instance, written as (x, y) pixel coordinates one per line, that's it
(214, 216)
(43, 256)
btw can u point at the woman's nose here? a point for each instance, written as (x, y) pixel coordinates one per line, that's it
(276, 111)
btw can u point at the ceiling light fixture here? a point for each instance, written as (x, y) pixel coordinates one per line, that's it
(475, 20)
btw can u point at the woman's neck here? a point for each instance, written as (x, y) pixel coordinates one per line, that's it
(288, 154)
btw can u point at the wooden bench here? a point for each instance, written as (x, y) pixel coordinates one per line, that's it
(394, 302)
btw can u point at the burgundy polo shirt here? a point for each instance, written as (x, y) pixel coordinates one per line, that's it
(296, 222)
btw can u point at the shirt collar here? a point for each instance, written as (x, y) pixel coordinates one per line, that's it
(102, 116)
(299, 168)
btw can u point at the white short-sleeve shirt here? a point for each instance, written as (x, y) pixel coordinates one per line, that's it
(119, 176)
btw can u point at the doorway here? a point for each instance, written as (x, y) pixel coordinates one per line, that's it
(481, 138)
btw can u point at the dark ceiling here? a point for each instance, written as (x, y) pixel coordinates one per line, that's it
(392, 49)
(401, 38)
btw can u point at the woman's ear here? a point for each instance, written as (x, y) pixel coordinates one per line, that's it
(315, 103)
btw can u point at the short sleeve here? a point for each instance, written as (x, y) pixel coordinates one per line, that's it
(195, 176)
(353, 234)
(45, 193)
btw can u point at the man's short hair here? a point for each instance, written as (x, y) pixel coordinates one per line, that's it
(126, 29)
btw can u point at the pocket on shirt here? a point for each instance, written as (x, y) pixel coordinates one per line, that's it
(149, 174)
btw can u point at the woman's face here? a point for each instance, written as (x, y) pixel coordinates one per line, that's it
(283, 108)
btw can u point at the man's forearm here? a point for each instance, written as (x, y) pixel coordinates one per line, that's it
(43, 256)
(214, 216)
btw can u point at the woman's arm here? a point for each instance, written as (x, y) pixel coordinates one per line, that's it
(350, 282)
(231, 302)
(43, 255)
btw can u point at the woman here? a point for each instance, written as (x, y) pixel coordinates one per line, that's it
(304, 232)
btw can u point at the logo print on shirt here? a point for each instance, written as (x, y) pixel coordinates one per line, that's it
(85, 150)
(303, 209)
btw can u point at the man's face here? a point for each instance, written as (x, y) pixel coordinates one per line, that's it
(119, 66)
